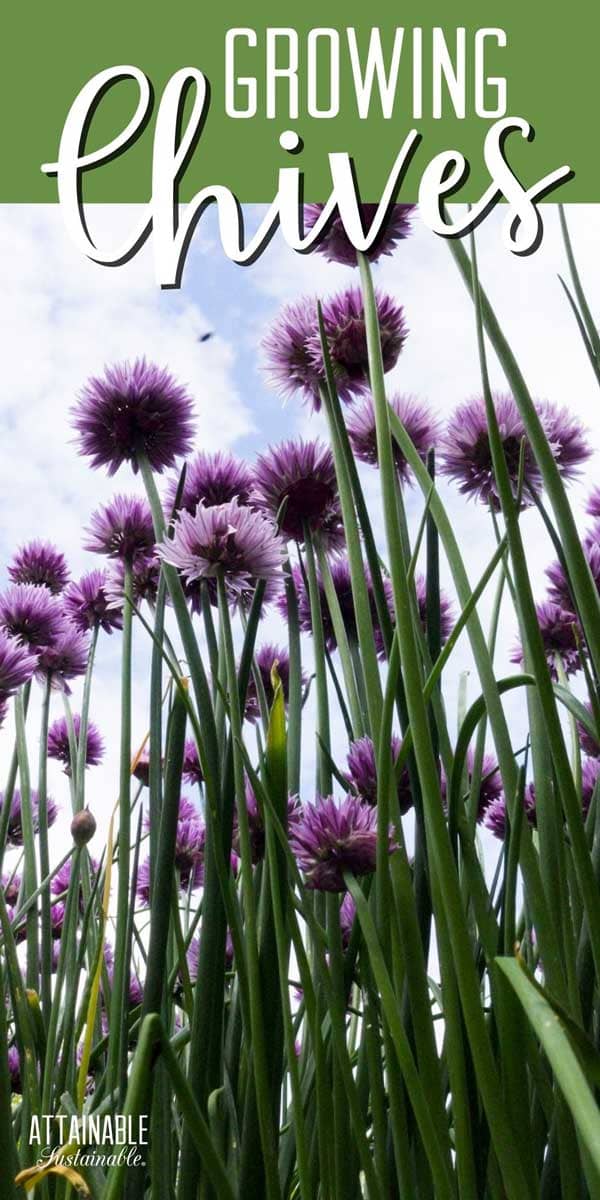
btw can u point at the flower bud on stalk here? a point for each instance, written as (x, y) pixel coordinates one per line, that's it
(83, 827)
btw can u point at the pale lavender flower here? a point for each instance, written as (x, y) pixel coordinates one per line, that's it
(227, 538)
(362, 772)
(557, 628)
(288, 349)
(211, 479)
(133, 409)
(335, 244)
(295, 483)
(88, 604)
(58, 742)
(17, 664)
(121, 529)
(420, 423)
(40, 563)
(331, 838)
(345, 331)
(32, 615)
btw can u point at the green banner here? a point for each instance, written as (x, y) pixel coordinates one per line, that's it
(353, 79)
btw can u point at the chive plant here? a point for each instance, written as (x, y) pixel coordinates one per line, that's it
(332, 994)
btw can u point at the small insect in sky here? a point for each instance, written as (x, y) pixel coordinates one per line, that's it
(205, 337)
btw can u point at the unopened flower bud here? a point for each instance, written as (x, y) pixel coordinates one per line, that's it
(83, 827)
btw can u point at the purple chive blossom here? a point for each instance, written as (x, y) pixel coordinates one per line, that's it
(345, 329)
(211, 479)
(62, 878)
(121, 529)
(228, 538)
(66, 658)
(57, 919)
(558, 587)
(190, 841)
(331, 838)
(143, 888)
(88, 604)
(193, 955)
(141, 767)
(192, 770)
(340, 572)
(590, 770)
(58, 742)
(495, 818)
(133, 409)
(336, 245)
(40, 563)
(189, 851)
(145, 576)
(559, 590)
(490, 788)
(593, 503)
(467, 458)
(590, 745)
(266, 658)
(11, 886)
(446, 608)
(194, 589)
(32, 615)
(15, 821)
(295, 484)
(256, 823)
(14, 1071)
(135, 991)
(567, 437)
(422, 427)
(557, 628)
(17, 664)
(362, 772)
(347, 915)
(288, 350)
